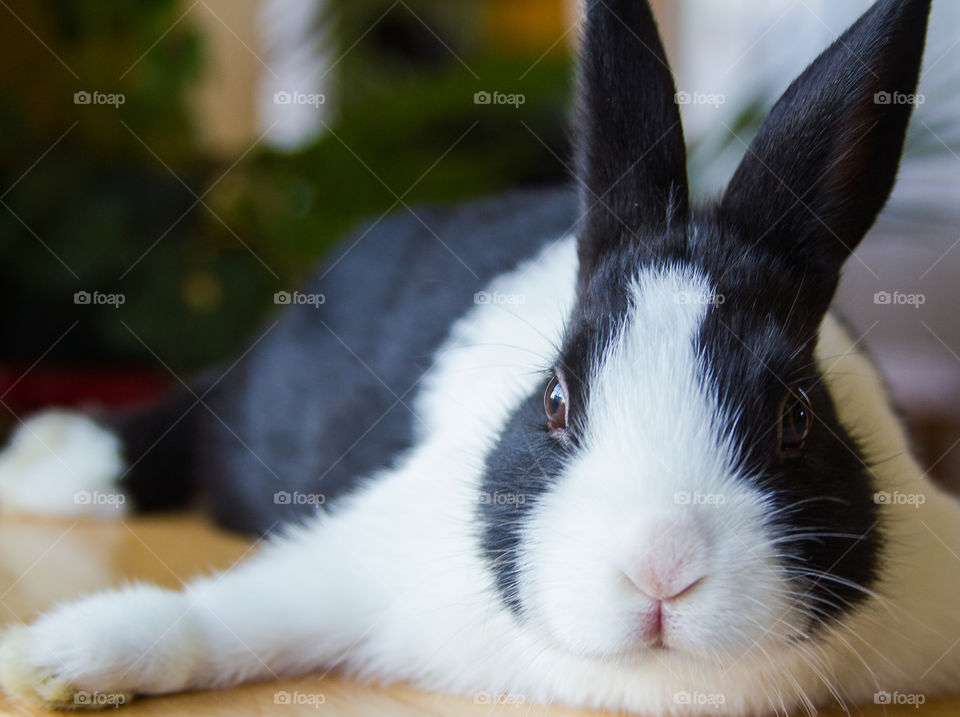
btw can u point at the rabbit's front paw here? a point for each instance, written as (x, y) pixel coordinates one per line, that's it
(38, 681)
(100, 651)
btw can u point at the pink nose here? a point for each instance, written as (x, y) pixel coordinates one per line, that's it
(671, 562)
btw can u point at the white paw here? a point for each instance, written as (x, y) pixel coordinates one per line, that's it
(42, 685)
(102, 650)
(62, 463)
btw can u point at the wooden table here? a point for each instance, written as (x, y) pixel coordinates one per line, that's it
(43, 561)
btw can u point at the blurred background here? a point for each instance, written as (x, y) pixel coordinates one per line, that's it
(168, 166)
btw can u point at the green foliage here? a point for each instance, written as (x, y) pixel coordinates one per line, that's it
(106, 209)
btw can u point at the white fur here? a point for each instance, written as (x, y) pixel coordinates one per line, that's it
(392, 586)
(62, 463)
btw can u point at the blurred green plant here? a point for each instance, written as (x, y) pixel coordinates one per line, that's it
(80, 194)
(424, 140)
(112, 206)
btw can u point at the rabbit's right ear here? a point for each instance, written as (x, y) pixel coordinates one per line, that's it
(631, 153)
(825, 160)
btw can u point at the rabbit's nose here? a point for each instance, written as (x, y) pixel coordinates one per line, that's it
(671, 562)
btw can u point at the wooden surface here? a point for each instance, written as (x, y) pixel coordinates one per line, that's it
(43, 561)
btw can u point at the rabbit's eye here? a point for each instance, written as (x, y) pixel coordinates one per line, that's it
(555, 404)
(796, 418)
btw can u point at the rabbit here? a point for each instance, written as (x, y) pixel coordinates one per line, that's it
(601, 448)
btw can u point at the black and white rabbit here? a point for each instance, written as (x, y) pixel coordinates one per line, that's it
(643, 470)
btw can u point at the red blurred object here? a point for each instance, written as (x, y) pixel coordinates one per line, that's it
(25, 390)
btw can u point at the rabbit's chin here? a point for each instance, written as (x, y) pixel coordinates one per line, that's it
(692, 635)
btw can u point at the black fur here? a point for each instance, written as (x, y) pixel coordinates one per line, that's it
(821, 168)
(523, 466)
(160, 449)
(631, 152)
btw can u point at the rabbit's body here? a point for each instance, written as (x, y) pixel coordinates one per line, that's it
(393, 585)
(646, 470)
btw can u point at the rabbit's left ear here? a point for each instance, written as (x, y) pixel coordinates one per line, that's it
(825, 160)
(631, 154)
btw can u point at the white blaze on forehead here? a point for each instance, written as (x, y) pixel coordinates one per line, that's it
(648, 397)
